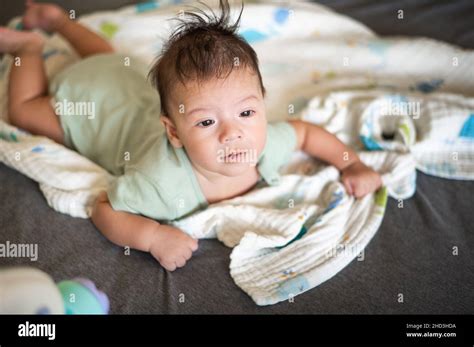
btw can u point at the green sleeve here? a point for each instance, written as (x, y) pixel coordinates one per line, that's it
(280, 144)
(134, 192)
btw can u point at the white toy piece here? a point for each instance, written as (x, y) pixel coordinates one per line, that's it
(29, 291)
(25, 290)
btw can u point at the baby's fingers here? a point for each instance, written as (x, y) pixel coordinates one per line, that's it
(188, 254)
(364, 188)
(348, 185)
(379, 182)
(180, 262)
(169, 265)
(194, 245)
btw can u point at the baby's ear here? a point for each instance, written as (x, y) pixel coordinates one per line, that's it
(171, 131)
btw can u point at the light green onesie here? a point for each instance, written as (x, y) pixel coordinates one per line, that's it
(110, 114)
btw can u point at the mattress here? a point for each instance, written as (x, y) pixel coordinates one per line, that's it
(423, 250)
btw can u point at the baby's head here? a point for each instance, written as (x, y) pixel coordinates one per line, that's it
(212, 95)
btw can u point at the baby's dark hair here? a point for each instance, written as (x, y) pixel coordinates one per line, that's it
(203, 46)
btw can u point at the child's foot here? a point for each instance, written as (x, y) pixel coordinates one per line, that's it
(48, 17)
(14, 42)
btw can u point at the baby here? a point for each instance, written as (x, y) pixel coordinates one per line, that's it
(206, 141)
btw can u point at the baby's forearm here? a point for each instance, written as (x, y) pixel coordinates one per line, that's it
(169, 245)
(323, 145)
(123, 228)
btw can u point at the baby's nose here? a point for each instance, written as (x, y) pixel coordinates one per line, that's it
(230, 134)
(232, 137)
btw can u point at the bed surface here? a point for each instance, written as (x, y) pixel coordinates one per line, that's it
(411, 254)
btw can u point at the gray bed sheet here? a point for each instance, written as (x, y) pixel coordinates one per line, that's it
(450, 21)
(411, 254)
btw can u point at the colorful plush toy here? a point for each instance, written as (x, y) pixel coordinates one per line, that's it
(27, 290)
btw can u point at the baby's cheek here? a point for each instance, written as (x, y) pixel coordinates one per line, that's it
(261, 139)
(206, 155)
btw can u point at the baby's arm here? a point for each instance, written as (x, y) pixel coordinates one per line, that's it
(358, 179)
(169, 245)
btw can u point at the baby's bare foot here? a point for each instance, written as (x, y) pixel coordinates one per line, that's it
(16, 42)
(48, 17)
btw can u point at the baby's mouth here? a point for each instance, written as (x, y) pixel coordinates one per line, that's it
(234, 154)
(237, 156)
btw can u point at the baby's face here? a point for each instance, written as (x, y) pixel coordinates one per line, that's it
(218, 118)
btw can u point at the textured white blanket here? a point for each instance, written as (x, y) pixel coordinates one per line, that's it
(389, 95)
(289, 238)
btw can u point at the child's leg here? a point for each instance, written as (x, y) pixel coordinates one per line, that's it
(50, 17)
(28, 103)
(84, 41)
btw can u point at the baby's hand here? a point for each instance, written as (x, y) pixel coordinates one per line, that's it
(360, 180)
(172, 247)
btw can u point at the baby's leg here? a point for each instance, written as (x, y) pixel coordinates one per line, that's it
(28, 103)
(50, 17)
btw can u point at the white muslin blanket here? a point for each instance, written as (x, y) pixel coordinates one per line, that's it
(408, 101)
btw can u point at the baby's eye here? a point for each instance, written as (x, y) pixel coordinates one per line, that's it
(247, 113)
(206, 123)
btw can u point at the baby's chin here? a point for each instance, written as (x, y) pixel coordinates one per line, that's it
(231, 169)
